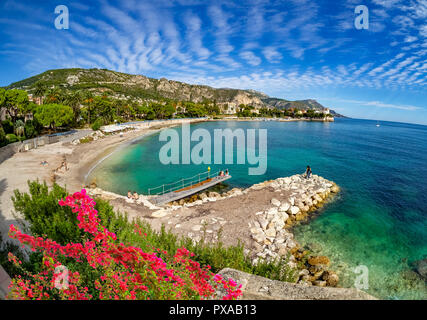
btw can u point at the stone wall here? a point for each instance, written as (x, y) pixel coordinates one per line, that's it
(259, 288)
(4, 283)
(8, 151)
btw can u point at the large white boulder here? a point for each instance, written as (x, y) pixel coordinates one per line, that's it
(284, 207)
(293, 210)
(272, 211)
(271, 232)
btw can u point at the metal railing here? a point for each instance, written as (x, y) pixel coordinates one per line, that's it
(181, 184)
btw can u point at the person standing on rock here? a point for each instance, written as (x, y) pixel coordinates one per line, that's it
(308, 172)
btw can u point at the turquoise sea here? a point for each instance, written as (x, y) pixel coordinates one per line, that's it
(379, 219)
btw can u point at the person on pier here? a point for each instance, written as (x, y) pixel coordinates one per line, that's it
(308, 172)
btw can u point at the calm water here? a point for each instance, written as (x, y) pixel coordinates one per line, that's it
(380, 218)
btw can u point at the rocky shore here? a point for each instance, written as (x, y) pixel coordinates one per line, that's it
(291, 200)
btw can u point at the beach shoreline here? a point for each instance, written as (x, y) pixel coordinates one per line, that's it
(183, 220)
(80, 158)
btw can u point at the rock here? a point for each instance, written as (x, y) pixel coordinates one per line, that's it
(331, 278)
(258, 237)
(159, 213)
(202, 196)
(275, 185)
(293, 210)
(335, 189)
(284, 207)
(272, 211)
(319, 283)
(421, 268)
(317, 275)
(278, 223)
(213, 195)
(303, 272)
(284, 216)
(267, 242)
(292, 201)
(300, 205)
(319, 260)
(280, 240)
(283, 252)
(271, 232)
(275, 202)
(263, 222)
(257, 247)
(254, 230)
(318, 198)
(287, 180)
(300, 216)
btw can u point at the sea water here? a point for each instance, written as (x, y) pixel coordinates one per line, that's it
(379, 220)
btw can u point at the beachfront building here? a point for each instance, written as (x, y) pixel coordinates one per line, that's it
(36, 100)
(229, 108)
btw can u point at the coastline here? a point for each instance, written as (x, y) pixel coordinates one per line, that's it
(83, 158)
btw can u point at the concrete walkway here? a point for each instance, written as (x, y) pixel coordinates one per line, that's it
(176, 195)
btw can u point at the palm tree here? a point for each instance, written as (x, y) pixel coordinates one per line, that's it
(19, 128)
(88, 99)
(40, 90)
(74, 100)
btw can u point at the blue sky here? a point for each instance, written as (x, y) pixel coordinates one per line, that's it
(294, 49)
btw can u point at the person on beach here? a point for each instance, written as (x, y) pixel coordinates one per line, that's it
(226, 172)
(135, 195)
(308, 172)
(129, 195)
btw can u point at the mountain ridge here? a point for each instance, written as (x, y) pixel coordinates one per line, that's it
(142, 88)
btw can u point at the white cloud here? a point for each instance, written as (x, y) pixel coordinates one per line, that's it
(272, 54)
(410, 39)
(250, 58)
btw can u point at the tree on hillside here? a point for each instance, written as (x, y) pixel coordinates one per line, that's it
(16, 102)
(88, 100)
(54, 115)
(102, 107)
(55, 95)
(40, 90)
(2, 97)
(74, 100)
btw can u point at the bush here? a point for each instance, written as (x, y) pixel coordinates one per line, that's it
(7, 126)
(3, 140)
(30, 129)
(11, 138)
(40, 207)
(102, 267)
(97, 124)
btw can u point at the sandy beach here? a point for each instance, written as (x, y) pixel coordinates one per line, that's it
(80, 158)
